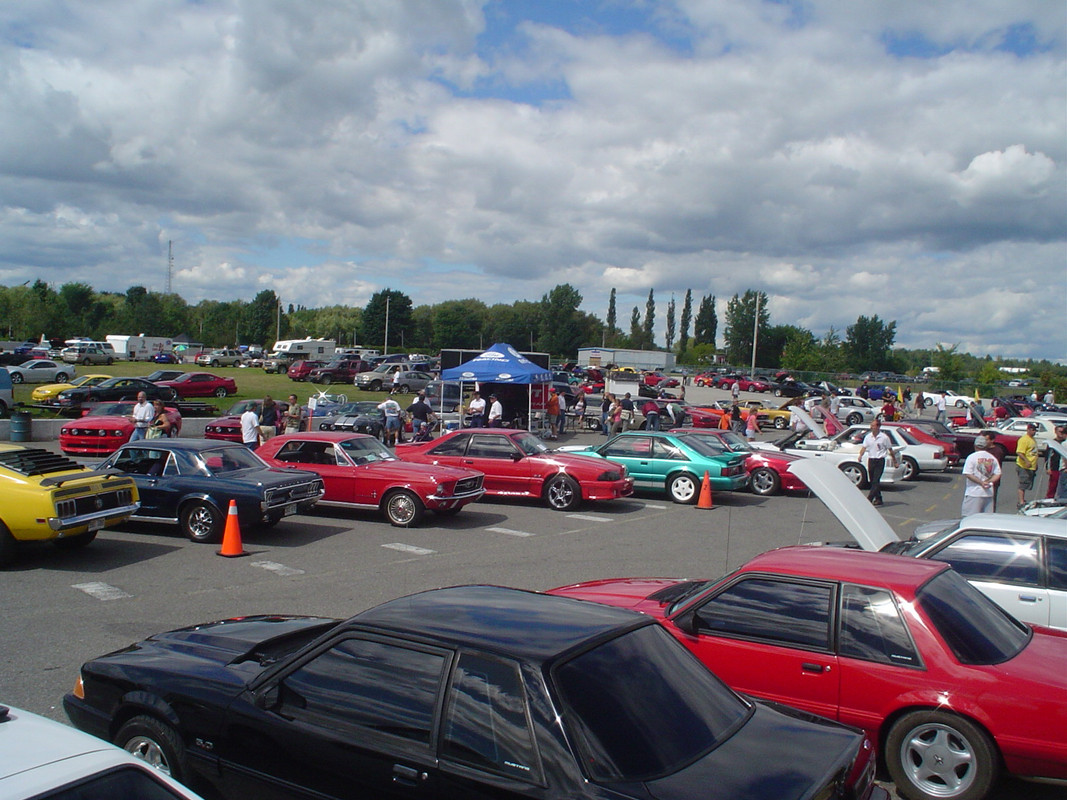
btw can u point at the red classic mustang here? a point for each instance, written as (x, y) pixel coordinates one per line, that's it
(951, 686)
(361, 472)
(201, 384)
(518, 464)
(768, 472)
(103, 428)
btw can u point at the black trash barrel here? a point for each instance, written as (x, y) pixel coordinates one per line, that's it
(21, 426)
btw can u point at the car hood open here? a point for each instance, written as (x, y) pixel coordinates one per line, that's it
(846, 502)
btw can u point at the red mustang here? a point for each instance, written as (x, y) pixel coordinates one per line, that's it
(103, 429)
(951, 686)
(360, 472)
(768, 472)
(925, 437)
(201, 384)
(518, 464)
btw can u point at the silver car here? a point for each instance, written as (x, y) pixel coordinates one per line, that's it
(41, 370)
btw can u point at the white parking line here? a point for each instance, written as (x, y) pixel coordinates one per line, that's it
(654, 505)
(590, 517)
(510, 532)
(277, 569)
(101, 591)
(409, 548)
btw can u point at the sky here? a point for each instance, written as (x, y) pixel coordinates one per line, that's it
(847, 157)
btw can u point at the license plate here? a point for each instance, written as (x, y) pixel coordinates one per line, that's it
(290, 509)
(96, 524)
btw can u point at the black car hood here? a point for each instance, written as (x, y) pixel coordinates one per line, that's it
(799, 754)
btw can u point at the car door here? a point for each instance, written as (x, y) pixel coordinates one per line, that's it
(507, 470)
(771, 636)
(321, 457)
(1056, 571)
(1006, 567)
(353, 719)
(635, 453)
(154, 471)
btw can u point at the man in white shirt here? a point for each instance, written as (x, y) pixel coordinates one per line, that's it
(939, 404)
(142, 417)
(981, 473)
(496, 413)
(250, 428)
(878, 448)
(476, 406)
(391, 409)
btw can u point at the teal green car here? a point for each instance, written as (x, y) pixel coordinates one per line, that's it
(675, 464)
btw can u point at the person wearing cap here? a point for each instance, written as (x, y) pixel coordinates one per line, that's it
(496, 412)
(981, 475)
(1026, 461)
(420, 413)
(476, 407)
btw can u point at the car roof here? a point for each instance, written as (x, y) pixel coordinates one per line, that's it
(497, 619)
(329, 436)
(1015, 523)
(184, 445)
(847, 565)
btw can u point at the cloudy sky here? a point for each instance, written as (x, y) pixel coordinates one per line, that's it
(847, 157)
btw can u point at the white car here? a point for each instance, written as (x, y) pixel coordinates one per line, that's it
(40, 758)
(41, 370)
(951, 399)
(915, 456)
(1019, 562)
(1046, 427)
(854, 410)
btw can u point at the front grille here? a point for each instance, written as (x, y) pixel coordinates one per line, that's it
(469, 485)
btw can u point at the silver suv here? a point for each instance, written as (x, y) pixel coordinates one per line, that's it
(220, 358)
(90, 353)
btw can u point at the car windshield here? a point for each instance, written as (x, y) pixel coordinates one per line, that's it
(735, 442)
(111, 410)
(907, 437)
(358, 407)
(976, 629)
(643, 707)
(218, 461)
(366, 450)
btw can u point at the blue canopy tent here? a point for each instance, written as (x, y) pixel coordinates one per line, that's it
(501, 363)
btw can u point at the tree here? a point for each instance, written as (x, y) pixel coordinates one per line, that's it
(869, 342)
(260, 318)
(612, 323)
(650, 320)
(458, 324)
(801, 351)
(949, 362)
(687, 318)
(740, 321)
(635, 328)
(516, 324)
(704, 330)
(374, 318)
(670, 324)
(560, 326)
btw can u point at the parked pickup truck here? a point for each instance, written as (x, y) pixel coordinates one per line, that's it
(340, 370)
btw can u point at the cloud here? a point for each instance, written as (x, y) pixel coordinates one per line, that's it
(843, 158)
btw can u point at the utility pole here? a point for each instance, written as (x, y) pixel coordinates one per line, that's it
(385, 347)
(170, 263)
(755, 336)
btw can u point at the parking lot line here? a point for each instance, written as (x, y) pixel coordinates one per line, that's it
(510, 532)
(409, 548)
(101, 591)
(590, 517)
(277, 569)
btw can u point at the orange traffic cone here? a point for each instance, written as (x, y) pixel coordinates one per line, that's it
(705, 493)
(231, 537)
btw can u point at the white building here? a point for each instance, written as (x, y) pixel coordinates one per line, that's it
(638, 359)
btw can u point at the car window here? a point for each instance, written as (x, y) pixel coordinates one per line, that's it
(301, 452)
(787, 612)
(365, 450)
(653, 717)
(368, 684)
(872, 629)
(123, 783)
(453, 446)
(994, 556)
(491, 446)
(486, 725)
(628, 447)
(141, 461)
(671, 452)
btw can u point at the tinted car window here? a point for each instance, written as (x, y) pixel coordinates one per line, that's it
(487, 725)
(642, 706)
(491, 446)
(871, 628)
(975, 628)
(628, 447)
(368, 684)
(1057, 563)
(994, 556)
(452, 447)
(125, 783)
(782, 611)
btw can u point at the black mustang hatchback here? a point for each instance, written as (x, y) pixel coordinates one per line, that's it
(464, 693)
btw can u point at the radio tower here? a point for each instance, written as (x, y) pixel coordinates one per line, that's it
(170, 263)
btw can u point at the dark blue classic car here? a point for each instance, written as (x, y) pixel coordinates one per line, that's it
(359, 416)
(190, 482)
(468, 692)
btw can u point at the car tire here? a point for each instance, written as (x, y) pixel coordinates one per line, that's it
(8, 545)
(777, 392)
(911, 468)
(326, 380)
(855, 473)
(376, 386)
(156, 743)
(781, 423)
(61, 377)
(593, 424)
(918, 738)
(683, 488)
(220, 392)
(562, 493)
(961, 404)
(216, 363)
(764, 482)
(86, 362)
(110, 361)
(404, 388)
(75, 542)
(927, 402)
(16, 377)
(855, 418)
(202, 522)
(402, 508)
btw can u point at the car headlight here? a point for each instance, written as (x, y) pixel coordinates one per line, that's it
(612, 475)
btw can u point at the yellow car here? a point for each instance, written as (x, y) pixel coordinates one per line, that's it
(48, 392)
(769, 416)
(48, 497)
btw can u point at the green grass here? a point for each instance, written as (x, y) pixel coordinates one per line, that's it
(251, 382)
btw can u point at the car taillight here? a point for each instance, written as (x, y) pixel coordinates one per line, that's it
(939, 454)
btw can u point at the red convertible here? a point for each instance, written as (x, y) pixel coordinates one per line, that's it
(951, 686)
(360, 472)
(201, 384)
(103, 429)
(768, 472)
(518, 464)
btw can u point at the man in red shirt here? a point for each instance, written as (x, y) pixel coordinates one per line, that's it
(552, 410)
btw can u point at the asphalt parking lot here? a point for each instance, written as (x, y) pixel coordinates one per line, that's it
(64, 608)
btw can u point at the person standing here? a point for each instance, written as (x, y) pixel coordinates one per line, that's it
(1053, 462)
(391, 409)
(939, 404)
(476, 407)
(552, 412)
(650, 410)
(752, 425)
(981, 474)
(496, 412)
(920, 403)
(1049, 398)
(160, 426)
(420, 413)
(737, 422)
(294, 415)
(250, 428)
(878, 448)
(1026, 461)
(627, 411)
(268, 419)
(735, 390)
(142, 417)
(835, 403)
